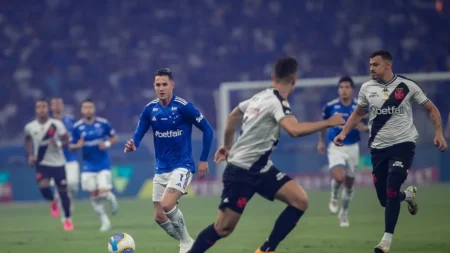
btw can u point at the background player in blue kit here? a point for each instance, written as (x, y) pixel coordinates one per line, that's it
(72, 167)
(171, 119)
(342, 161)
(95, 135)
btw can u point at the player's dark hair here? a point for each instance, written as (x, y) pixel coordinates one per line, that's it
(164, 72)
(383, 53)
(347, 79)
(88, 100)
(285, 69)
(41, 100)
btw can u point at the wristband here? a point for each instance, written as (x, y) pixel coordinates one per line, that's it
(107, 144)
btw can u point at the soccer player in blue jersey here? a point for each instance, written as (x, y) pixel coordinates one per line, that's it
(342, 161)
(72, 167)
(95, 135)
(171, 119)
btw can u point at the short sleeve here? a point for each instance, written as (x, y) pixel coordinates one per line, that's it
(419, 95)
(26, 131)
(326, 112)
(281, 109)
(60, 128)
(243, 105)
(110, 131)
(75, 136)
(362, 98)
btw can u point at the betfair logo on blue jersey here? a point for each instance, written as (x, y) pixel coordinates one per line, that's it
(199, 118)
(169, 134)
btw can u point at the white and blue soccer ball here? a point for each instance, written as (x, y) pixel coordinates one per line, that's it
(121, 243)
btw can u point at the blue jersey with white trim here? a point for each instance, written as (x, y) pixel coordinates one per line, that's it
(172, 130)
(334, 107)
(94, 159)
(69, 121)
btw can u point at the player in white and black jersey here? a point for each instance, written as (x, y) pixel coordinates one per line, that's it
(44, 139)
(392, 136)
(249, 169)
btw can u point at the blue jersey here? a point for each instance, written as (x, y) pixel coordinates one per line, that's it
(172, 129)
(69, 121)
(335, 106)
(94, 159)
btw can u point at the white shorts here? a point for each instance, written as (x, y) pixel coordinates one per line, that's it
(91, 181)
(346, 156)
(72, 173)
(178, 179)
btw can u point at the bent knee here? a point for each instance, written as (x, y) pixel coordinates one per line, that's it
(301, 203)
(168, 206)
(224, 230)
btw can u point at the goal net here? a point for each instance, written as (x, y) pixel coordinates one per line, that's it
(300, 156)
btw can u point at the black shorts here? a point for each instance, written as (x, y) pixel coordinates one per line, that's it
(398, 157)
(239, 186)
(46, 172)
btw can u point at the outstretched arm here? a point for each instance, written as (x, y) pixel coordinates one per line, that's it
(233, 121)
(142, 127)
(354, 119)
(201, 123)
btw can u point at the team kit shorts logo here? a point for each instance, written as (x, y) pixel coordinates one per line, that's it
(169, 134)
(391, 110)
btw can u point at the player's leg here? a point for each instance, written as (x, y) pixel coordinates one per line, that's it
(55, 207)
(104, 184)
(400, 161)
(348, 191)
(89, 184)
(43, 177)
(278, 185)
(73, 175)
(159, 185)
(179, 179)
(235, 197)
(337, 165)
(59, 176)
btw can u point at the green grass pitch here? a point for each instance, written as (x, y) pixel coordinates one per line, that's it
(26, 228)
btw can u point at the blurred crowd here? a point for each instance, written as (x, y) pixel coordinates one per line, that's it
(108, 50)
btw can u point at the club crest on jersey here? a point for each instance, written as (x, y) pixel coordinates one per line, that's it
(399, 94)
(285, 104)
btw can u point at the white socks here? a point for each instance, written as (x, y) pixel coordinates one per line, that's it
(334, 189)
(387, 237)
(177, 219)
(408, 195)
(170, 229)
(97, 204)
(346, 198)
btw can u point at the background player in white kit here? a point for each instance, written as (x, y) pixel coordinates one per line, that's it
(44, 139)
(249, 169)
(342, 161)
(392, 136)
(72, 166)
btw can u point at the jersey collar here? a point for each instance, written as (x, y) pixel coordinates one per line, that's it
(386, 83)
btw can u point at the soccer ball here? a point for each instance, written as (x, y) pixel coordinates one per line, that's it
(121, 243)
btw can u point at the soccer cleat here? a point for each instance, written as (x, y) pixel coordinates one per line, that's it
(185, 247)
(68, 225)
(260, 251)
(105, 227)
(54, 209)
(343, 220)
(382, 247)
(333, 206)
(413, 207)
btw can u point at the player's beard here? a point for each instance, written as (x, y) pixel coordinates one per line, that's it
(42, 118)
